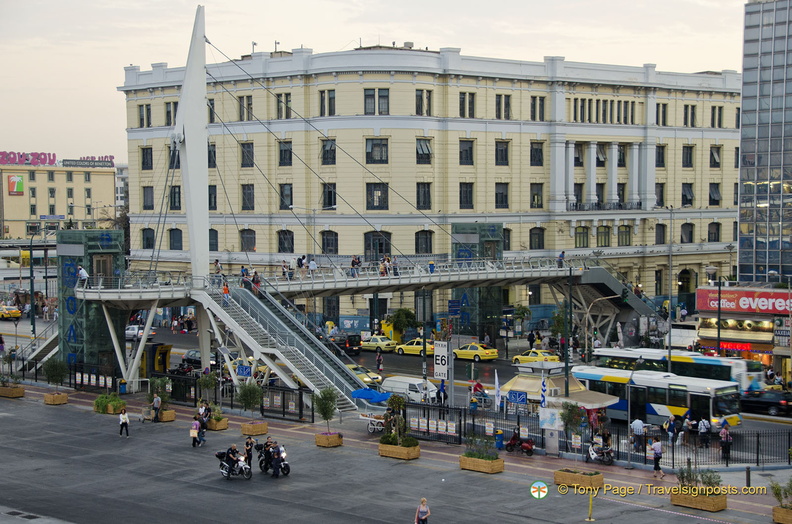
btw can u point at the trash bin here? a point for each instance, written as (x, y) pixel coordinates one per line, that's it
(122, 387)
(499, 438)
(431, 266)
(473, 405)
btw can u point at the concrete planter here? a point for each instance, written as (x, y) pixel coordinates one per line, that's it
(112, 410)
(217, 425)
(574, 478)
(255, 428)
(329, 441)
(55, 399)
(167, 415)
(710, 503)
(481, 465)
(12, 391)
(782, 515)
(399, 452)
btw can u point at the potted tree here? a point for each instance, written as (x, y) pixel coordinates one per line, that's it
(249, 395)
(783, 494)
(162, 387)
(206, 383)
(56, 371)
(9, 383)
(217, 422)
(395, 443)
(481, 455)
(698, 490)
(325, 404)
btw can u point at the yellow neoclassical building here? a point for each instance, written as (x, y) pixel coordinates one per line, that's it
(385, 150)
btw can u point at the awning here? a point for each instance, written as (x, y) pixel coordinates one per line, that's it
(715, 192)
(737, 336)
(687, 191)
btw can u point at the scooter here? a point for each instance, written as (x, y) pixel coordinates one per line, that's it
(602, 454)
(241, 469)
(524, 445)
(265, 459)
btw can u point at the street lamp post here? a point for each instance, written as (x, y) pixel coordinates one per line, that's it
(32, 297)
(670, 280)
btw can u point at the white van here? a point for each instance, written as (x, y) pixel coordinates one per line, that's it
(410, 388)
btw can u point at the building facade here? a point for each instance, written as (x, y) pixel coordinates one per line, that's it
(382, 151)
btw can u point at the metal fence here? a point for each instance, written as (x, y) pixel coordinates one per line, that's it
(184, 389)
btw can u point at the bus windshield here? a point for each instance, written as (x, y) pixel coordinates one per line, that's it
(754, 366)
(726, 404)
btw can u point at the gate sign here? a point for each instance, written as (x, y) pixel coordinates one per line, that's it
(454, 307)
(517, 397)
(243, 371)
(441, 360)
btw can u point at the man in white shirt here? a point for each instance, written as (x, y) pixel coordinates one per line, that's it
(638, 434)
(597, 344)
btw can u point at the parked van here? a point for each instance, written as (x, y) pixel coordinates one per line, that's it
(410, 388)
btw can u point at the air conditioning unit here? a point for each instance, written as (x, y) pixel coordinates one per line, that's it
(554, 392)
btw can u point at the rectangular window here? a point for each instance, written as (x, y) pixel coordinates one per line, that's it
(376, 150)
(736, 193)
(423, 102)
(501, 195)
(148, 198)
(714, 194)
(537, 154)
(662, 115)
(660, 156)
(369, 107)
(624, 235)
(737, 119)
(245, 108)
(328, 152)
(212, 156)
(467, 105)
(621, 160)
(376, 196)
(246, 148)
(538, 108)
(660, 195)
(285, 149)
(211, 108)
(578, 160)
(503, 107)
(31, 176)
(328, 195)
(50, 176)
(87, 175)
(32, 192)
(621, 191)
(33, 209)
(170, 113)
(87, 193)
(737, 157)
(146, 159)
(599, 189)
(286, 196)
(687, 194)
(70, 192)
(466, 195)
(423, 195)
(423, 151)
(70, 175)
(213, 199)
(174, 161)
(581, 236)
(144, 115)
(715, 157)
(689, 116)
(175, 198)
(327, 102)
(52, 209)
(716, 116)
(466, 152)
(602, 156)
(248, 197)
(383, 98)
(687, 156)
(501, 153)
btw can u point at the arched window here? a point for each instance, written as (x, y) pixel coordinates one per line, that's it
(688, 230)
(537, 236)
(581, 236)
(285, 241)
(148, 238)
(625, 235)
(175, 239)
(329, 243)
(247, 240)
(423, 242)
(376, 244)
(660, 233)
(213, 240)
(603, 236)
(506, 239)
(714, 232)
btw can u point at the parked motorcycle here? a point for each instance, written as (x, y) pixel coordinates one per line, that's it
(602, 454)
(265, 459)
(241, 469)
(525, 445)
(182, 369)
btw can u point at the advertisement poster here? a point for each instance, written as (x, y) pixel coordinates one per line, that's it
(451, 428)
(424, 424)
(414, 423)
(489, 429)
(432, 425)
(441, 426)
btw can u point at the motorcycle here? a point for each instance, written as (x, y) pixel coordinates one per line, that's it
(241, 469)
(524, 445)
(182, 369)
(602, 454)
(265, 459)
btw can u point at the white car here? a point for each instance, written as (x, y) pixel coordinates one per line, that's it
(135, 332)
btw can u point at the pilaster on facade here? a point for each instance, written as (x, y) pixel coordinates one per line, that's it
(558, 201)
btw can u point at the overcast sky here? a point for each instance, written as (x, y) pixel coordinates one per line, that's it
(63, 60)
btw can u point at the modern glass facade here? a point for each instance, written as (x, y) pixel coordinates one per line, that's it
(765, 197)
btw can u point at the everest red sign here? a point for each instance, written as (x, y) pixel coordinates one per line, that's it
(744, 301)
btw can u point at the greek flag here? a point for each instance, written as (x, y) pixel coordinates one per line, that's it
(543, 399)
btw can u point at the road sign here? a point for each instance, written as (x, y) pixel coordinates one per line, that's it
(441, 360)
(243, 371)
(517, 397)
(454, 307)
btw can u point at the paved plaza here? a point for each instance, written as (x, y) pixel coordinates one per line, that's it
(68, 464)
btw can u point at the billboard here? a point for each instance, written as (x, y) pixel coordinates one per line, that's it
(16, 185)
(744, 300)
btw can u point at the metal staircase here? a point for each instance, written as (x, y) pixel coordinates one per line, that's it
(268, 330)
(40, 348)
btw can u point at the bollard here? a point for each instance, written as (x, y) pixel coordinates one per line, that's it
(591, 506)
(747, 476)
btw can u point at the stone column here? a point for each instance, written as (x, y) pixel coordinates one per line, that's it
(557, 172)
(611, 195)
(633, 187)
(570, 173)
(591, 173)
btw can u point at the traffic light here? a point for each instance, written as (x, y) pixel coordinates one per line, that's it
(624, 294)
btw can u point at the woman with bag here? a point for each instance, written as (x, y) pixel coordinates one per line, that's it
(657, 447)
(195, 431)
(422, 513)
(123, 420)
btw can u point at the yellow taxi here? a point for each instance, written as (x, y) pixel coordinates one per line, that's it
(535, 355)
(9, 312)
(378, 342)
(415, 347)
(368, 377)
(476, 352)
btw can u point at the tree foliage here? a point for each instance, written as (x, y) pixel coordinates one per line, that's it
(325, 405)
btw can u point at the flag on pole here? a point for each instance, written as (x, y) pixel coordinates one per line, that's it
(543, 398)
(497, 391)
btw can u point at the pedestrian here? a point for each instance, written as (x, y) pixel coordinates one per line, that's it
(2, 345)
(486, 339)
(303, 265)
(683, 313)
(726, 442)
(226, 293)
(379, 360)
(637, 434)
(175, 325)
(531, 338)
(123, 420)
(276, 460)
(195, 431)
(693, 430)
(422, 513)
(704, 432)
(686, 429)
(312, 267)
(82, 276)
(155, 406)
(442, 395)
(671, 428)
(284, 269)
(218, 267)
(561, 258)
(657, 448)
(395, 267)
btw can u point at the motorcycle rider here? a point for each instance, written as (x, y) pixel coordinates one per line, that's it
(232, 459)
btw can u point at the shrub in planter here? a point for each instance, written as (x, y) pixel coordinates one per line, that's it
(572, 477)
(9, 386)
(110, 404)
(783, 494)
(698, 490)
(217, 421)
(481, 455)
